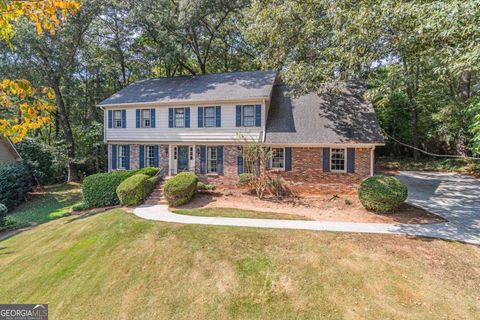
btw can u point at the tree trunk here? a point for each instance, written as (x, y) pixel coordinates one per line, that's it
(67, 132)
(464, 88)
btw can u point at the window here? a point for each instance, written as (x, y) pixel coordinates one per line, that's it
(146, 118)
(209, 117)
(149, 156)
(117, 118)
(122, 157)
(179, 117)
(211, 159)
(175, 153)
(248, 116)
(191, 153)
(278, 159)
(337, 160)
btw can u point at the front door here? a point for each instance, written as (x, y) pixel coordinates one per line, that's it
(182, 164)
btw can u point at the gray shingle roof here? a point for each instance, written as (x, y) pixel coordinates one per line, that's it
(333, 116)
(234, 85)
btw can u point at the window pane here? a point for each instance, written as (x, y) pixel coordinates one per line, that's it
(209, 112)
(179, 117)
(117, 118)
(337, 162)
(149, 156)
(211, 159)
(277, 158)
(248, 116)
(209, 117)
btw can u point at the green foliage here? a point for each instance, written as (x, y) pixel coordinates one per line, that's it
(382, 194)
(180, 189)
(43, 161)
(15, 182)
(99, 190)
(80, 206)
(3, 214)
(205, 186)
(244, 179)
(133, 190)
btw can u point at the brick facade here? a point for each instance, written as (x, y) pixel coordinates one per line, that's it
(135, 157)
(306, 177)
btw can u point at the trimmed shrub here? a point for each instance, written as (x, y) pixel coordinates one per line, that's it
(80, 206)
(205, 186)
(100, 190)
(15, 183)
(3, 214)
(244, 179)
(151, 183)
(382, 194)
(133, 190)
(180, 189)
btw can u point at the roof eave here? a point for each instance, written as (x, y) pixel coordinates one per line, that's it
(187, 102)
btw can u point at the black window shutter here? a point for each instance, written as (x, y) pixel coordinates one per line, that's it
(202, 159)
(350, 160)
(288, 159)
(326, 159)
(220, 159)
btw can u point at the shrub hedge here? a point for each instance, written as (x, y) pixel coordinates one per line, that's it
(99, 190)
(205, 186)
(382, 194)
(15, 183)
(180, 189)
(133, 190)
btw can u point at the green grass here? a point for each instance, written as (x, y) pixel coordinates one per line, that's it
(239, 213)
(431, 164)
(115, 266)
(55, 204)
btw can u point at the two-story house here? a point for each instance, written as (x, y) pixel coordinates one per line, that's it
(199, 123)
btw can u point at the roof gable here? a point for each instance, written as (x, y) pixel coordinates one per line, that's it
(328, 117)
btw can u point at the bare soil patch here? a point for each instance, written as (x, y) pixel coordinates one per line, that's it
(323, 208)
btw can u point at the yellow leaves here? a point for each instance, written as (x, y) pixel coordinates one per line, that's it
(46, 14)
(24, 108)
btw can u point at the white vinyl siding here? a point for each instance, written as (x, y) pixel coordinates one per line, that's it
(161, 132)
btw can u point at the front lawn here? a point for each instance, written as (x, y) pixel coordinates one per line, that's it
(115, 266)
(54, 202)
(239, 213)
(428, 164)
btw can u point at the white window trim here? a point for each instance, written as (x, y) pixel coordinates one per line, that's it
(145, 155)
(175, 117)
(214, 116)
(119, 162)
(243, 121)
(345, 160)
(271, 160)
(142, 119)
(113, 119)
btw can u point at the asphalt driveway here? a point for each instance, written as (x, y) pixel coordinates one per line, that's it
(453, 196)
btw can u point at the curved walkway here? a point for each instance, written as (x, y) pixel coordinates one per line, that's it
(452, 196)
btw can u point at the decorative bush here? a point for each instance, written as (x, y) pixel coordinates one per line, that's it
(15, 183)
(205, 186)
(100, 190)
(244, 179)
(180, 189)
(382, 194)
(3, 214)
(151, 183)
(80, 206)
(133, 190)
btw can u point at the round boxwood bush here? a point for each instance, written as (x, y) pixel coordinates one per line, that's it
(15, 183)
(100, 190)
(180, 189)
(382, 194)
(133, 190)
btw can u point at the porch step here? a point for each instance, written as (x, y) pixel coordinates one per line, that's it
(157, 197)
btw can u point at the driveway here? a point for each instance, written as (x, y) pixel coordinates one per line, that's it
(453, 196)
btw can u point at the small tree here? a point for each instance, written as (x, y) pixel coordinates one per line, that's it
(255, 157)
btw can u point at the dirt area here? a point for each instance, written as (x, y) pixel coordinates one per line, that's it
(328, 208)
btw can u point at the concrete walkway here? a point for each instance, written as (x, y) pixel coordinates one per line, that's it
(452, 196)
